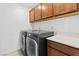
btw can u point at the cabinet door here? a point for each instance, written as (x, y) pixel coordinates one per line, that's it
(31, 14)
(54, 52)
(78, 6)
(38, 12)
(61, 8)
(47, 10)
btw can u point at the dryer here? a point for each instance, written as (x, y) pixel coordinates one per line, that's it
(36, 43)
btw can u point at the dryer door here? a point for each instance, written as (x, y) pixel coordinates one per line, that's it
(32, 47)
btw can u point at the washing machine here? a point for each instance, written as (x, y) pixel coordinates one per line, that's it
(36, 42)
(22, 42)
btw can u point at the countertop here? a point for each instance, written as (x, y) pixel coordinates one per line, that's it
(67, 39)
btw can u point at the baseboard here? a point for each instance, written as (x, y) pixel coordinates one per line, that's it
(13, 53)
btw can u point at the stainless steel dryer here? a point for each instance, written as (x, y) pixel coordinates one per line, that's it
(36, 43)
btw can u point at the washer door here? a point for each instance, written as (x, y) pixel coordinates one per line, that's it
(32, 47)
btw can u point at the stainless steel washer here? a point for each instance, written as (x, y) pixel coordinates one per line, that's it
(36, 43)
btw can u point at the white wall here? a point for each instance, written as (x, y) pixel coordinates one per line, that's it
(13, 19)
(61, 25)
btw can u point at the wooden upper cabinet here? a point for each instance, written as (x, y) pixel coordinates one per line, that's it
(61, 8)
(78, 6)
(31, 14)
(38, 12)
(47, 10)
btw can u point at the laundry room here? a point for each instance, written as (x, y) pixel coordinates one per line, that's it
(39, 29)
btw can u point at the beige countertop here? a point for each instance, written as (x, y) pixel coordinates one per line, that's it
(67, 39)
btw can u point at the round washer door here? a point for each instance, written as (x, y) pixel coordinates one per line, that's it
(32, 47)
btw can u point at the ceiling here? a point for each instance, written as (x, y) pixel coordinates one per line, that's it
(28, 5)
